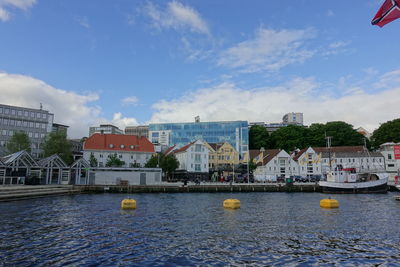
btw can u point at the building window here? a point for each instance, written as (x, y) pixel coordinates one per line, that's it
(390, 165)
(43, 115)
(389, 156)
(26, 113)
(19, 112)
(197, 167)
(32, 115)
(120, 156)
(110, 145)
(6, 111)
(122, 146)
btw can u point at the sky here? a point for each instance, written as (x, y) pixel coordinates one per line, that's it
(134, 62)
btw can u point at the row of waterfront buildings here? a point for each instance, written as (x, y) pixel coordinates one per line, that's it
(223, 146)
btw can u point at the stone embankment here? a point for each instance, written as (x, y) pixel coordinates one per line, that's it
(17, 192)
(207, 188)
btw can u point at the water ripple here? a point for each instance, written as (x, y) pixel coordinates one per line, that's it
(270, 229)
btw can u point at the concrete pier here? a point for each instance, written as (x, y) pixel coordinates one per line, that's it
(17, 192)
(207, 188)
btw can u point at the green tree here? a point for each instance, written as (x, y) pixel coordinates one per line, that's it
(258, 137)
(387, 132)
(316, 135)
(19, 141)
(57, 143)
(343, 134)
(290, 137)
(252, 166)
(169, 164)
(114, 161)
(153, 161)
(92, 160)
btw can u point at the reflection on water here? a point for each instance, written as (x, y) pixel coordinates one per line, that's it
(194, 229)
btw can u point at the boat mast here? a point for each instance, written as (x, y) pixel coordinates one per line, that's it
(328, 145)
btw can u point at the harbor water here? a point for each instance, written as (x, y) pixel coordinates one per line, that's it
(193, 229)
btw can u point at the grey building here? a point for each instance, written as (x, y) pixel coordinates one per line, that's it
(105, 129)
(293, 118)
(36, 123)
(138, 130)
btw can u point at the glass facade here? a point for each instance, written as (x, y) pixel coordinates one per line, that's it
(235, 133)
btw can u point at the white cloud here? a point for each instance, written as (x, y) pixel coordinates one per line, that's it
(330, 13)
(121, 122)
(68, 107)
(389, 80)
(5, 5)
(83, 21)
(270, 50)
(228, 102)
(130, 100)
(176, 16)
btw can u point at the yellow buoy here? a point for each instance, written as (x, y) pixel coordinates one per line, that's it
(329, 203)
(231, 203)
(128, 204)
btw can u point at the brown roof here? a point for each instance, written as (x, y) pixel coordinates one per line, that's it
(118, 142)
(334, 149)
(254, 153)
(216, 146)
(269, 154)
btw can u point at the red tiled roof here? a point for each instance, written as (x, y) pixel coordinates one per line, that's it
(118, 142)
(184, 148)
(169, 150)
(334, 149)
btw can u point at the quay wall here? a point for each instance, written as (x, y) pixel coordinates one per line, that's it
(197, 188)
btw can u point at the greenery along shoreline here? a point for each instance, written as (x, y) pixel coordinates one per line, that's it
(343, 134)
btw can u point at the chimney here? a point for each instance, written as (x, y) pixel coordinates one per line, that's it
(197, 119)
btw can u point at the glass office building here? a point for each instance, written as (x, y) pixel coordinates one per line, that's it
(234, 132)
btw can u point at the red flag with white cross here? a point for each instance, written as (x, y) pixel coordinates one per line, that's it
(389, 11)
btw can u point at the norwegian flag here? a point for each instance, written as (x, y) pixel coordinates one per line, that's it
(389, 11)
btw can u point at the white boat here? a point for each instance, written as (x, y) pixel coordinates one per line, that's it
(348, 181)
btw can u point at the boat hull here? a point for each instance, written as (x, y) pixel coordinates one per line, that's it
(373, 187)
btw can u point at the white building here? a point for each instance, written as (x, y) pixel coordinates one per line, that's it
(193, 158)
(272, 164)
(391, 152)
(125, 176)
(318, 161)
(133, 150)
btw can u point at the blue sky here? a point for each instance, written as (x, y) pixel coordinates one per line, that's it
(133, 62)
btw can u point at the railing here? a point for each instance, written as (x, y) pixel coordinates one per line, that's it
(11, 180)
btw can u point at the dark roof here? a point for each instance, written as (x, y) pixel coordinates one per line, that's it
(333, 149)
(216, 146)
